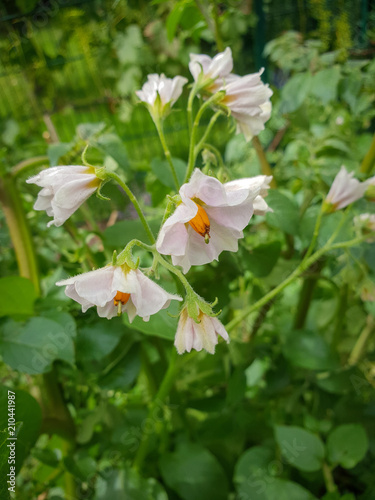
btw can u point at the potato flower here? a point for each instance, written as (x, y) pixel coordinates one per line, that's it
(64, 190)
(211, 71)
(210, 218)
(117, 289)
(344, 191)
(160, 93)
(246, 97)
(203, 335)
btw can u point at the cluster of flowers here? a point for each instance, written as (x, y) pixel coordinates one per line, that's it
(209, 217)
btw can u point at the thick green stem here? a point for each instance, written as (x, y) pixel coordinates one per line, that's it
(19, 231)
(164, 389)
(265, 166)
(305, 298)
(369, 159)
(167, 153)
(328, 478)
(360, 345)
(134, 200)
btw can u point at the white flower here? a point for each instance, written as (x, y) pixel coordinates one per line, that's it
(203, 335)
(116, 289)
(168, 90)
(64, 190)
(210, 218)
(247, 97)
(344, 191)
(210, 69)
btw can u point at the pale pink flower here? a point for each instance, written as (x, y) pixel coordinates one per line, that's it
(64, 190)
(210, 218)
(167, 89)
(247, 97)
(116, 289)
(210, 69)
(344, 191)
(203, 335)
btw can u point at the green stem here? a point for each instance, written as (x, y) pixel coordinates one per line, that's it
(359, 346)
(19, 231)
(167, 153)
(218, 39)
(192, 150)
(316, 232)
(211, 123)
(134, 200)
(369, 159)
(164, 389)
(192, 95)
(305, 264)
(306, 296)
(328, 478)
(265, 166)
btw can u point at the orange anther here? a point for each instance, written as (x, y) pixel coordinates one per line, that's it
(201, 223)
(121, 297)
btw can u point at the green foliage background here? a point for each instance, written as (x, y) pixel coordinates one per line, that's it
(286, 409)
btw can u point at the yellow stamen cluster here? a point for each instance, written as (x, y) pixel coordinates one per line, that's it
(201, 223)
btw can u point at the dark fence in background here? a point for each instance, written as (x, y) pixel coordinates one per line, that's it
(53, 71)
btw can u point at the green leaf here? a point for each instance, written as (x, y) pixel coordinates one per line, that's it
(174, 17)
(324, 84)
(125, 372)
(121, 233)
(302, 449)
(285, 214)
(17, 296)
(121, 484)
(27, 413)
(32, 347)
(56, 151)
(194, 473)
(112, 145)
(262, 259)
(347, 445)
(309, 350)
(255, 479)
(162, 170)
(295, 92)
(97, 340)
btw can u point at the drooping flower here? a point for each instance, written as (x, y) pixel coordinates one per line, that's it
(344, 191)
(210, 218)
(246, 97)
(117, 289)
(160, 93)
(64, 190)
(248, 100)
(203, 335)
(211, 71)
